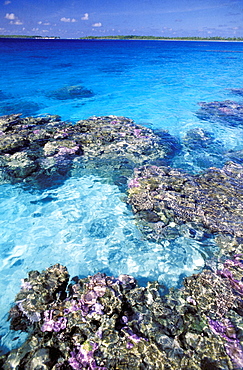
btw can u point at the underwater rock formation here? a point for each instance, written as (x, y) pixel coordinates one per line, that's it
(166, 197)
(235, 155)
(102, 322)
(17, 105)
(46, 146)
(71, 92)
(113, 146)
(200, 150)
(198, 139)
(236, 91)
(228, 112)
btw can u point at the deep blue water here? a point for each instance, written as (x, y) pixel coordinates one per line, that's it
(83, 223)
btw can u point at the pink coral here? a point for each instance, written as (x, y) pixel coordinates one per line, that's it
(133, 183)
(51, 325)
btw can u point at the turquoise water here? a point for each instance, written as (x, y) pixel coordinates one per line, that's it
(84, 222)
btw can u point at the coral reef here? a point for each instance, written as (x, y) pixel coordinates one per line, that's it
(166, 197)
(102, 322)
(236, 91)
(17, 105)
(201, 150)
(228, 112)
(31, 148)
(198, 138)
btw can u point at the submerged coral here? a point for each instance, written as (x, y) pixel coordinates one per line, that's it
(200, 150)
(102, 322)
(238, 91)
(71, 92)
(18, 105)
(228, 112)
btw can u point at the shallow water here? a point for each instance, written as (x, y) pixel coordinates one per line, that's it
(84, 223)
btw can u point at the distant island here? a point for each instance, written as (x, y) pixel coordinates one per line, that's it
(135, 37)
(131, 37)
(27, 37)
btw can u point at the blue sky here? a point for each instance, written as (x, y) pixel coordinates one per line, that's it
(78, 18)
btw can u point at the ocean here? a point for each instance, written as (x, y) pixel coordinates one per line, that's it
(84, 222)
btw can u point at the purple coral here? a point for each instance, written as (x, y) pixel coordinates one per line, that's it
(235, 262)
(234, 351)
(232, 346)
(236, 284)
(133, 183)
(88, 304)
(32, 316)
(25, 285)
(225, 330)
(82, 357)
(132, 338)
(51, 325)
(67, 151)
(137, 132)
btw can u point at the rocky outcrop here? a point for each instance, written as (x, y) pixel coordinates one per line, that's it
(102, 322)
(31, 148)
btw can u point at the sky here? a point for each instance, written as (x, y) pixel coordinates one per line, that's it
(79, 18)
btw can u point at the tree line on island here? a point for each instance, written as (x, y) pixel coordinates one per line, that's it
(189, 38)
(133, 37)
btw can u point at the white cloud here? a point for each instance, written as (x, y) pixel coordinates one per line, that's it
(7, 2)
(85, 17)
(64, 19)
(40, 22)
(98, 24)
(10, 16)
(46, 24)
(17, 22)
(13, 19)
